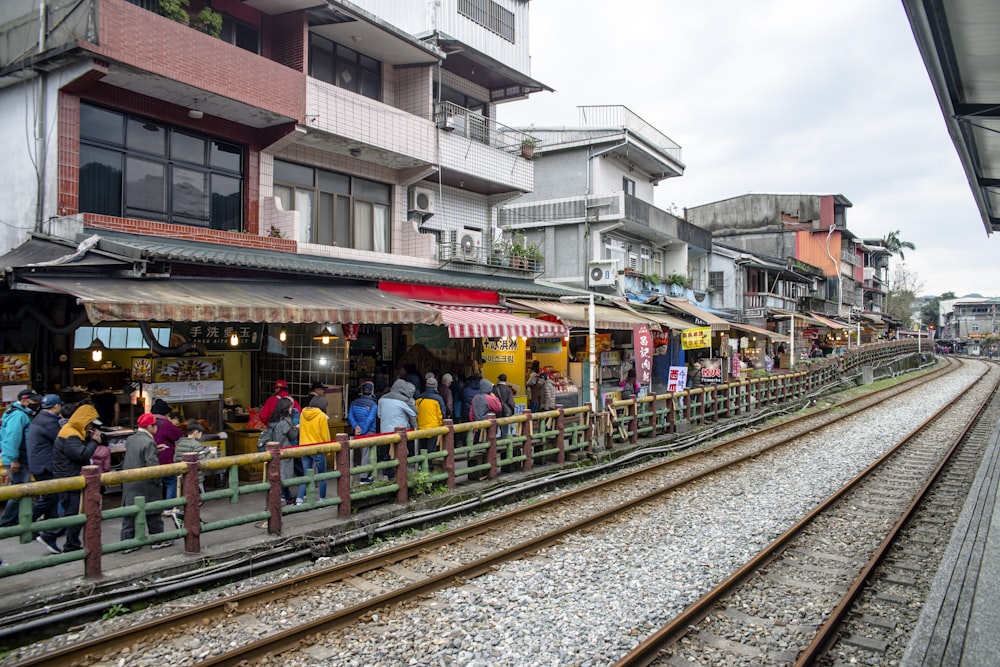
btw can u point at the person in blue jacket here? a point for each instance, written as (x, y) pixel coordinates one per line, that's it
(362, 416)
(14, 445)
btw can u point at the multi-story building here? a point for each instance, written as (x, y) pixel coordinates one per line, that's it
(807, 228)
(592, 209)
(356, 138)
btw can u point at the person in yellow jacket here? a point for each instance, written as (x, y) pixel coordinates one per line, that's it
(314, 428)
(430, 413)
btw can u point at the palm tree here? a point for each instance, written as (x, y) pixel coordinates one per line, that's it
(895, 246)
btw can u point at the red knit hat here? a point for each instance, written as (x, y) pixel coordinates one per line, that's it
(146, 420)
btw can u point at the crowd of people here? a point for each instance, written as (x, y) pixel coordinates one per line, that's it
(43, 438)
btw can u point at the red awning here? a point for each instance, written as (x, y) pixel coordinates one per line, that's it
(482, 322)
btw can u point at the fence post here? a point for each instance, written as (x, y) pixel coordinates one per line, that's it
(609, 405)
(272, 471)
(561, 435)
(529, 445)
(656, 416)
(344, 481)
(448, 442)
(634, 414)
(92, 529)
(192, 505)
(589, 433)
(491, 451)
(402, 479)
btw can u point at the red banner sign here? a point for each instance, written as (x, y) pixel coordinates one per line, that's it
(642, 346)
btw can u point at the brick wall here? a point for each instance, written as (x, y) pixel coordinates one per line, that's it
(187, 233)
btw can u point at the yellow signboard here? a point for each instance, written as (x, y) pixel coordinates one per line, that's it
(699, 337)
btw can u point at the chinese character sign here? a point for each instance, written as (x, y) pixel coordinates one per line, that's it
(677, 379)
(217, 336)
(711, 371)
(642, 346)
(693, 339)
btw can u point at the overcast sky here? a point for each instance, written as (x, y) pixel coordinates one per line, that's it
(776, 96)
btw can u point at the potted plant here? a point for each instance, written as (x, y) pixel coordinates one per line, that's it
(528, 144)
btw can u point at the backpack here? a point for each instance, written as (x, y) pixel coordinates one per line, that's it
(266, 436)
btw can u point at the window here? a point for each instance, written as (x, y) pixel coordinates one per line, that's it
(137, 168)
(119, 338)
(344, 67)
(628, 185)
(716, 281)
(490, 15)
(336, 209)
(240, 34)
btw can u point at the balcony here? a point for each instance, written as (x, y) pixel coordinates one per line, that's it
(345, 122)
(502, 259)
(480, 154)
(132, 48)
(752, 300)
(616, 115)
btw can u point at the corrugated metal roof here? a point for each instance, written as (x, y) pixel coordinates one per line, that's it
(174, 250)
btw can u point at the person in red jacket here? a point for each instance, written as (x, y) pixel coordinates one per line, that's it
(280, 391)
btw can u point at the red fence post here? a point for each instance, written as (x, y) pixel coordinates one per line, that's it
(344, 481)
(402, 479)
(92, 529)
(274, 501)
(448, 442)
(491, 438)
(192, 505)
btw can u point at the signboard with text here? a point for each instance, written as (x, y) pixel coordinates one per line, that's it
(696, 338)
(216, 336)
(642, 346)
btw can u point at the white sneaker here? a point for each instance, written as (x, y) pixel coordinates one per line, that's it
(300, 501)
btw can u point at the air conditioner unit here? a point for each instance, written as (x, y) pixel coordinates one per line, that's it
(602, 273)
(421, 200)
(469, 245)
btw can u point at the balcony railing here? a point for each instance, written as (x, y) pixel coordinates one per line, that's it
(464, 122)
(495, 258)
(768, 300)
(616, 115)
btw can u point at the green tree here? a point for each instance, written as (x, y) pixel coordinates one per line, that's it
(896, 246)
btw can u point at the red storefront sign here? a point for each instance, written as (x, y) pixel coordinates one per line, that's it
(642, 346)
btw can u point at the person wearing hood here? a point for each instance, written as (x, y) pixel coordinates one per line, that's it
(449, 400)
(469, 392)
(75, 444)
(396, 409)
(14, 445)
(430, 413)
(314, 428)
(484, 403)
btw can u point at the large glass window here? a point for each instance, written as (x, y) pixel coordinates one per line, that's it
(240, 34)
(133, 167)
(335, 209)
(344, 67)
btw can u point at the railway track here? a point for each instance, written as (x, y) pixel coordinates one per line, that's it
(359, 588)
(791, 604)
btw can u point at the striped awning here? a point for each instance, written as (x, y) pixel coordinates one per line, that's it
(208, 300)
(827, 322)
(575, 314)
(683, 305)
(484, 322)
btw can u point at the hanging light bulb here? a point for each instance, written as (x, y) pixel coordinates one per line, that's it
(282, 336)
(325, 336)
(97, 348)
(234, 340)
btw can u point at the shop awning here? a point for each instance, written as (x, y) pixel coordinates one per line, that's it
(575, 314)
(874, 319)
(801, 319)
(758, 331)
(207, 300)
(683, 305)
(827, 322)
(482, 322)
(660, 318)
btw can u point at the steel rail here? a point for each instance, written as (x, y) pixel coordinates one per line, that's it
(110, 642)
(647, 652)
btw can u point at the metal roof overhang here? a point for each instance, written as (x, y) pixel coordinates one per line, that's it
(778, 313)
(481, 322)
(116, 300)
(749, 328)
(575, 314)
(714, 321)
(827, 322)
